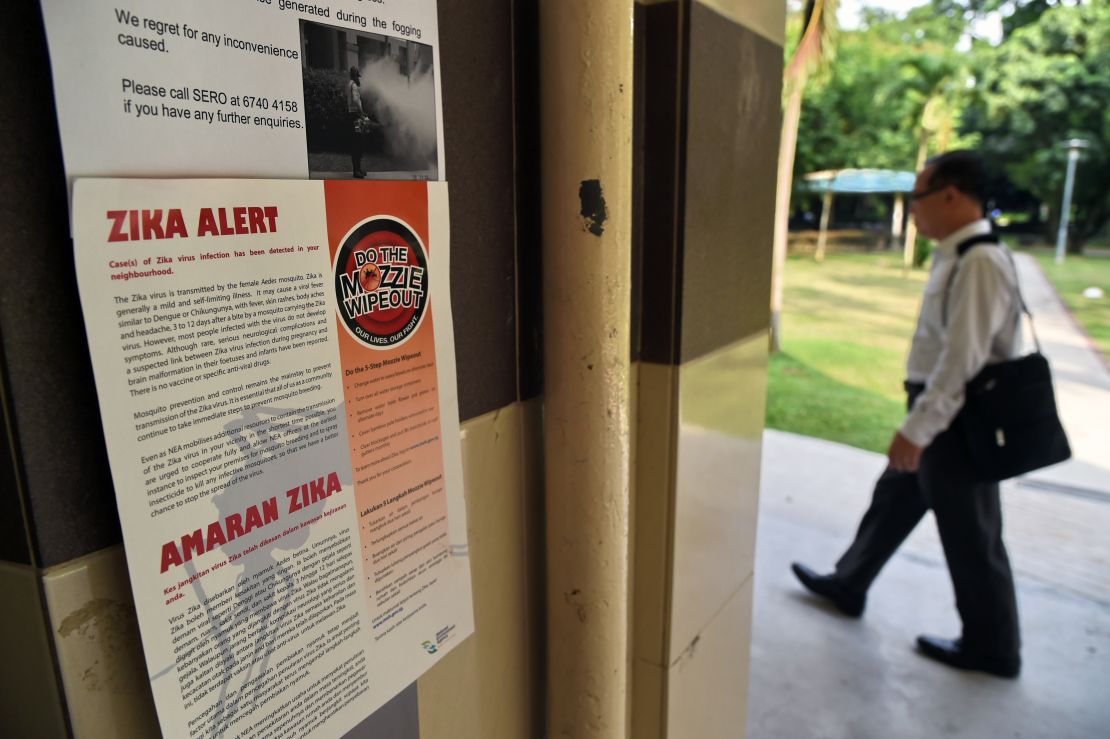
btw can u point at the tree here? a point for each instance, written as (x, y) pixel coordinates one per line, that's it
(816, 47)
(868, 109)
(1016, 13)
(930, 83)
(895, 95)
(1048, 82)
(844, 122)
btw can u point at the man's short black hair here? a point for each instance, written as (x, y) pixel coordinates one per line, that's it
(963, 170)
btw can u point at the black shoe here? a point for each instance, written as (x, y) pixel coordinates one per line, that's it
(953, 653)
(827, 586)
(359, 175)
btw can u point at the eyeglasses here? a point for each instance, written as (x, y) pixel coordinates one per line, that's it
(919, 195)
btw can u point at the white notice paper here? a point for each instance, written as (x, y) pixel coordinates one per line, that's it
(275, 369)
(249, 88)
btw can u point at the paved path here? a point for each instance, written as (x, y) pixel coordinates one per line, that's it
(817, 674)
(1082, 378)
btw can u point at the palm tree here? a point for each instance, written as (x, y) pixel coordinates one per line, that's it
(816, 48)
(929, 81)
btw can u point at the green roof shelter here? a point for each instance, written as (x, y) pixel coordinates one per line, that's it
(831, 182)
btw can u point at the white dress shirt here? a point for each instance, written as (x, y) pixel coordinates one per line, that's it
(983, 327)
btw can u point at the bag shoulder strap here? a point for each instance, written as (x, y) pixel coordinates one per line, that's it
(963, 248)
(966, 245)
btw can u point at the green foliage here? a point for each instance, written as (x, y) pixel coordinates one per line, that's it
(867, 110)
(817, 41)
(843, 123)
(902, 83)
(847, 326)
(821, 14)
(922, 252)
(1019, 13)
(1048, 82)
(325, 109)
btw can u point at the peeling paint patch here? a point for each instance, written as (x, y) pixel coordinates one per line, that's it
(594, 213)
(104, 633)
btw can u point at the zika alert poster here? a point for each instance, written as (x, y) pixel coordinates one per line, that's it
(327, 89)
(275, 370)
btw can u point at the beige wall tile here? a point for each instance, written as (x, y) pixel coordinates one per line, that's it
(721, 403)
(653, 504)
(490, 685)
(697, 461)
(649, 707)
(709, 683)
(100, 655)
(30, 699)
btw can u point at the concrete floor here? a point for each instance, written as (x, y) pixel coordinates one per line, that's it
(816, 674)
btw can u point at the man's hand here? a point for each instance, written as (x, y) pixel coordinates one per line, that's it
(904, 455)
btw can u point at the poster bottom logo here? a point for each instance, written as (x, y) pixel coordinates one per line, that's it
(381, 282)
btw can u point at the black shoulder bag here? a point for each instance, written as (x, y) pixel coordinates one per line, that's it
(1009, 421)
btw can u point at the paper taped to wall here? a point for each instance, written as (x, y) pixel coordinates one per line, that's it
(274, 362)
(267, 88)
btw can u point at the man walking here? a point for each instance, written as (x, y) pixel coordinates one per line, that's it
(970, 317)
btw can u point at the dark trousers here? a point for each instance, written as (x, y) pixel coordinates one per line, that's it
(355, 143)
(969, 520)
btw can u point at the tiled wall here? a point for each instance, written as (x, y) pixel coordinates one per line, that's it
(59, 528)
(708, 77)
(706, 97)
(491, 685)
(30, 697)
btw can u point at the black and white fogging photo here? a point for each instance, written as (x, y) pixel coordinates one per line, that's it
(370, 104)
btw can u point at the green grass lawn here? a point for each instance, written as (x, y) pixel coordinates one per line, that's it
(1071, 278)
(846, 328)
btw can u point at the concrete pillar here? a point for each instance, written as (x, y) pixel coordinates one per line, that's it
(586, 164)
